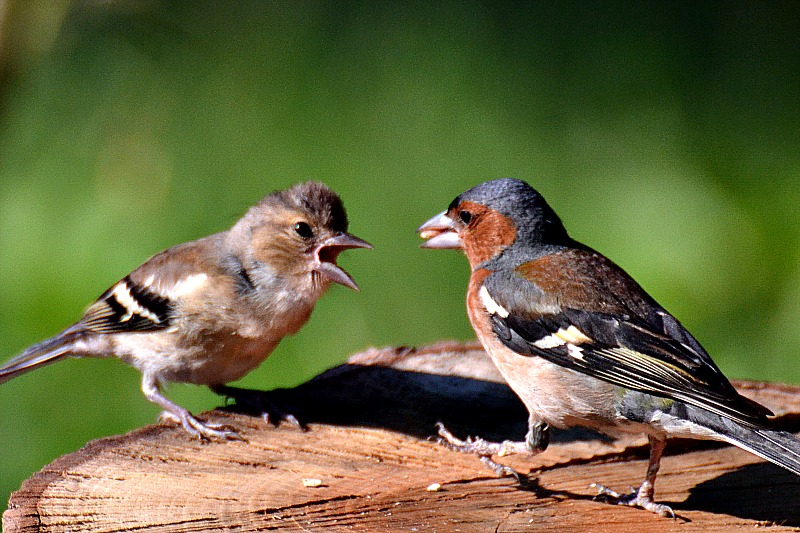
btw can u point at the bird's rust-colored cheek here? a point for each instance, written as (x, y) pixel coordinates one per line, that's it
(490, 234)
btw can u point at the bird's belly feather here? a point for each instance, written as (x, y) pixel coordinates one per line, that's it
(554, 394)
(223, 358)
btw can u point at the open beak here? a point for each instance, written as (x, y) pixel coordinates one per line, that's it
(440, 232)
(327, 253)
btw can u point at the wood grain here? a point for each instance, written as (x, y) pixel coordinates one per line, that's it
(367, 443)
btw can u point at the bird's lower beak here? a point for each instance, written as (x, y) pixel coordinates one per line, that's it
(440, 232)
(327, 253)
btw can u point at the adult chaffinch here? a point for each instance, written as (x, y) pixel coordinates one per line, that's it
(582, 344)
(211, 310)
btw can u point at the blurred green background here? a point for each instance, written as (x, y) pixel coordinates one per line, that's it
(666, 134)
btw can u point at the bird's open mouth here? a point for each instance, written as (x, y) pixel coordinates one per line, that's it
(440, 232)
(328, 252)
(431, 233)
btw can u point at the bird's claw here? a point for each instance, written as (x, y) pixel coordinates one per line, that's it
(448, 438)
(203, 431)
(501, 470)
(636, 498)
(483, 449)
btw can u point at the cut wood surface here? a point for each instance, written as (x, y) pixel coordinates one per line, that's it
(366, 463)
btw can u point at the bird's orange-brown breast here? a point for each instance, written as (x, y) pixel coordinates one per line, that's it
(475, 308)
(492, 233)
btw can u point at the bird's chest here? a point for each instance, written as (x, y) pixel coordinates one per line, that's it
(230, 353)
(230, 356)
(201, 350)
(552, 393)
(276, 311)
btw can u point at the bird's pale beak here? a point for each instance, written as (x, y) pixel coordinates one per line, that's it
(327, 253)
(441, 233)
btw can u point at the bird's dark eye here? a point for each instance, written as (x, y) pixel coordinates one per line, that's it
(465, 216)
(304, 230)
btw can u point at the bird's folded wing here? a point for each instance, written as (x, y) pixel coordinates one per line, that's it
(652, 354)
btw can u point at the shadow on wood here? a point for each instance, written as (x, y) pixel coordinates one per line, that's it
(408, 391)
(367, 464)
(773, 495)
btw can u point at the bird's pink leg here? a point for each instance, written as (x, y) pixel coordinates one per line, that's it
(182, 416)
(643, 497)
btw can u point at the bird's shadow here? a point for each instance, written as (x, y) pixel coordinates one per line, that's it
(407, 391)
(759, 491)
(399, 400)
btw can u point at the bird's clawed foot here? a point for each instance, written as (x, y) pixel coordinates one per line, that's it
(259, 402)
(202, 431)
(642, 498)
(484, 450)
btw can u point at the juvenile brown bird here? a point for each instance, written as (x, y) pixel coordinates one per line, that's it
(209, 311)
(583, 344)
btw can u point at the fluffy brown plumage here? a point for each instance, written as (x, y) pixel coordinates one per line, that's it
(211, 310)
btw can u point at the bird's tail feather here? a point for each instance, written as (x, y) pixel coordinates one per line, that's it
(41, 354)
(777, 447)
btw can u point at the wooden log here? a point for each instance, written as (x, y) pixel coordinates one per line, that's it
(367, 464)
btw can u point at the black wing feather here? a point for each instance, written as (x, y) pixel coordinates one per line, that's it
(140, 310)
